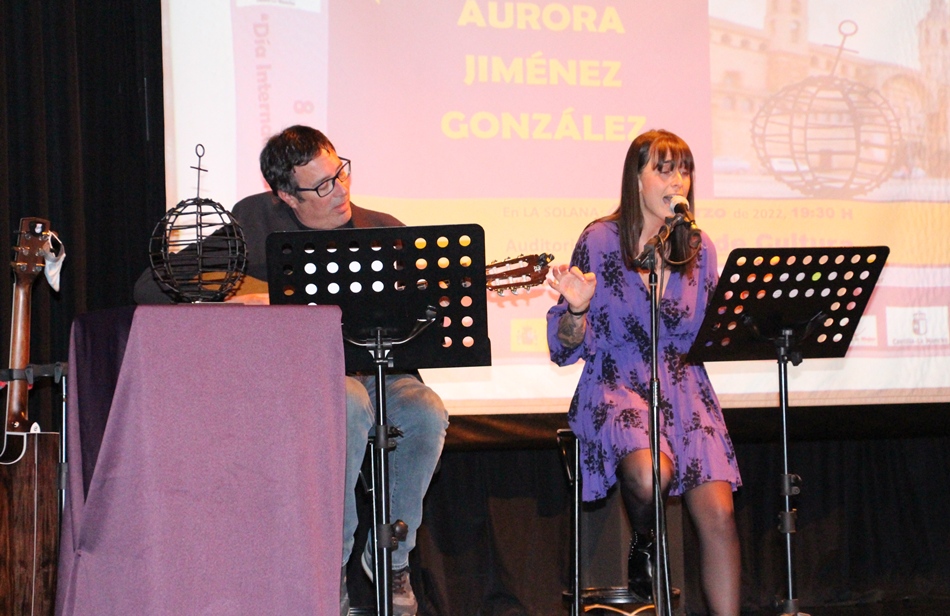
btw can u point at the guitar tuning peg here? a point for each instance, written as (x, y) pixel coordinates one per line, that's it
(515, 291)
(500, 292)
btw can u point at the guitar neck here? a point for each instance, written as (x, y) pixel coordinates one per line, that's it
(17, 389)
(512, 275)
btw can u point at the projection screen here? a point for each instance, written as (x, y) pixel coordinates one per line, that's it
(814, 123)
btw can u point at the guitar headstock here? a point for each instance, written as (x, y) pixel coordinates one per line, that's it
(29, 253)
(521, 272)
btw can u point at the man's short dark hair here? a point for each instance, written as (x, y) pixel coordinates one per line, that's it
(292, 147)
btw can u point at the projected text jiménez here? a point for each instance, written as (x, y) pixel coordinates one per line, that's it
(536, 70)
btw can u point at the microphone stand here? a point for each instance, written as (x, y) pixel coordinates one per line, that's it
(661, 575)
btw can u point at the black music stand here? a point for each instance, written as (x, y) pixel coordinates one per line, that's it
(419, 289)
(788, 304)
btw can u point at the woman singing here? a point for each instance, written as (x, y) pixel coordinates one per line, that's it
(603, 317)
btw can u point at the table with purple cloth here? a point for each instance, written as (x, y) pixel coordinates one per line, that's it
(206, 450)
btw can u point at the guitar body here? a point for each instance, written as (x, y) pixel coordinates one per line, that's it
(29, 528)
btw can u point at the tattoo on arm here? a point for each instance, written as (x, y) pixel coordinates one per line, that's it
(570, 329)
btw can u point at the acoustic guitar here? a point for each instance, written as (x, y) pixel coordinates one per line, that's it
(518, 273)
(28, 263)
(514, 275)
(29, 463)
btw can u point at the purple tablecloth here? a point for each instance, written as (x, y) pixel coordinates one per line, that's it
(212, 483)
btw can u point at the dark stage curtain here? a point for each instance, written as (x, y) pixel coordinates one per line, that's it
(873, 520)
(81, 136)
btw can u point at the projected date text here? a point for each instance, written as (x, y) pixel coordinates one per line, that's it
(821, 212)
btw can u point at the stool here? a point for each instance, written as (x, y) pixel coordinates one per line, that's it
(582, 599)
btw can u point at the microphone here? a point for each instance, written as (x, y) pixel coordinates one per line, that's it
(680, 206)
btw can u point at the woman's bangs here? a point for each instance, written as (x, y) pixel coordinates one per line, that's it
(671, 148)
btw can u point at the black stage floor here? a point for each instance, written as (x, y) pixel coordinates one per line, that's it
(925, 606)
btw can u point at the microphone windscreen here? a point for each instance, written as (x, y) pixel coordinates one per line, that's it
(679, 200)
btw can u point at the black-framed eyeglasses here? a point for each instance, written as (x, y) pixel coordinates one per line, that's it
(326, 187)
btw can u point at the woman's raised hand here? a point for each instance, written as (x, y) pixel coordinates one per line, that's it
(576, 286)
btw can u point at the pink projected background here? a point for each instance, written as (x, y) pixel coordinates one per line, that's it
(814, 123)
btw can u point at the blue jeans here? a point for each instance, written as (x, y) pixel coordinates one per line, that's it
(419, 414)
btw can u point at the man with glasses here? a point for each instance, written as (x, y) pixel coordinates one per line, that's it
(310, 189)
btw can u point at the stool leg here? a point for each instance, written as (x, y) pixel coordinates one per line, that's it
(571, 455)
(576, 522)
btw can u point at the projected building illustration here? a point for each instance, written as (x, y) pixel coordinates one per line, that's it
(821, 119)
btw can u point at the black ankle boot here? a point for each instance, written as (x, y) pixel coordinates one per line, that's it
(640, 566)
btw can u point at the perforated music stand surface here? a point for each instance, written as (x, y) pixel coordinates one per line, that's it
(819, 293)
(385, 278)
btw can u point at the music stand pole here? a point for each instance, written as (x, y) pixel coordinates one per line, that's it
(386, 535)
(791, 484)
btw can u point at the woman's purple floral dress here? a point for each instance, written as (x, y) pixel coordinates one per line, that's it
(610, 410)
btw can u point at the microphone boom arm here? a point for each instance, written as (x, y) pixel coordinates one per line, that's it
(646, 258)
